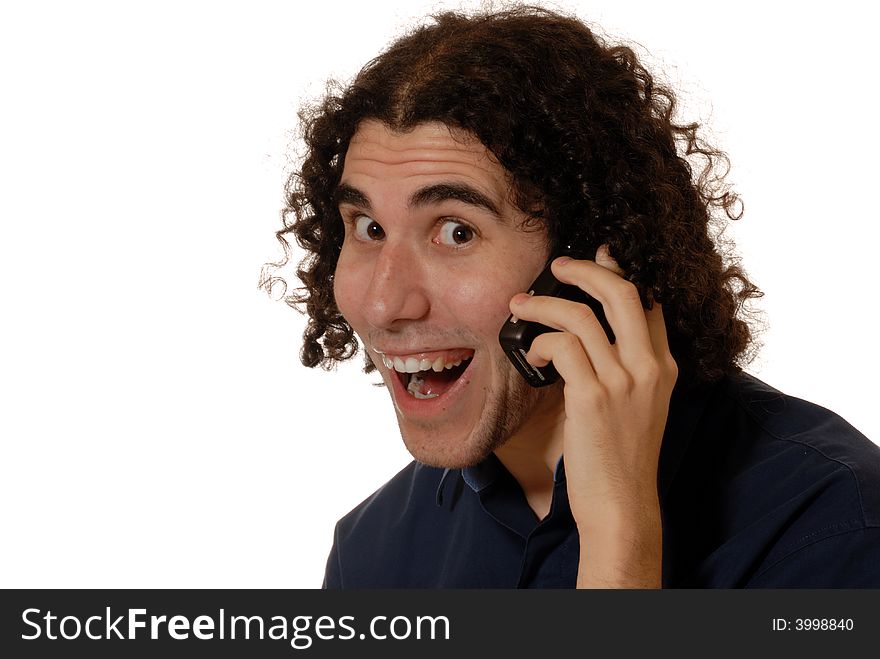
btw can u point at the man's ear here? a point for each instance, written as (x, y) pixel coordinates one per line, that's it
(604, 258)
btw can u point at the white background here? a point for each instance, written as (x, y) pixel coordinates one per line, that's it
(157, 427)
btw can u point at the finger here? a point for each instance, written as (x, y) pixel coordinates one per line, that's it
(654, 316)
(572, 317)
(620, 301)
(659, 339)
(569, 359)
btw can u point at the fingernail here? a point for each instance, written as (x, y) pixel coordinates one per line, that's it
(562, 260)
(519, 298)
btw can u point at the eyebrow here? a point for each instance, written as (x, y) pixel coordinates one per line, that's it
(440, 192)
(431, 194)
(347, 194)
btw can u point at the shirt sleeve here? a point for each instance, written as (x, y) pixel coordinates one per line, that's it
(847, 560)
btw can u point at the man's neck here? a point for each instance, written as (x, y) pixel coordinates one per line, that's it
(532, 453)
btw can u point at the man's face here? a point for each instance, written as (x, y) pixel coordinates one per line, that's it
(433, 252)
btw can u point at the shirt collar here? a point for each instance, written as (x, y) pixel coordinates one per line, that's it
(481, 476)
(478, 477)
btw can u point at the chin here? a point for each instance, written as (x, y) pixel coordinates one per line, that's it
(447, 452)
(456, 460)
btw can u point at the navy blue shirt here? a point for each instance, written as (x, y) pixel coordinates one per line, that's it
(757, 489)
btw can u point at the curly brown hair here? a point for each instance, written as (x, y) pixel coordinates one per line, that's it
(587, 137)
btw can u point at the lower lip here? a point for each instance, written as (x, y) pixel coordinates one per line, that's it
(410, 406)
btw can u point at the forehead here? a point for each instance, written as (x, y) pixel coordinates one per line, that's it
(429, 150)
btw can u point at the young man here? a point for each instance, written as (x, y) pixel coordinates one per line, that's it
(437, 186)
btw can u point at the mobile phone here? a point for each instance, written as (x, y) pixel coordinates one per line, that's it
(516, 335)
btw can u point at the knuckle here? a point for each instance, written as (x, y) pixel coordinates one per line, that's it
(583, 315)
(671, 367)
(650, 373)
(628, 292)
(585, 319)
(619, 381)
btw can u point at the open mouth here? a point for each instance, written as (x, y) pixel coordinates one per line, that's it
(431, 384)
(425, 378)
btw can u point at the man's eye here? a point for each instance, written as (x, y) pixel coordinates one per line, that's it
(366, 228)
(455, 233)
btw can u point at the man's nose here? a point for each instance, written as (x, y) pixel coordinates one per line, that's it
(397, 291)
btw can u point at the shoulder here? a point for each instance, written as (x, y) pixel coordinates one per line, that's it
(807, 436)
(785, 416)
(775, 490)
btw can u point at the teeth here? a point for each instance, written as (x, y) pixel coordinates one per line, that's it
(413, 365)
